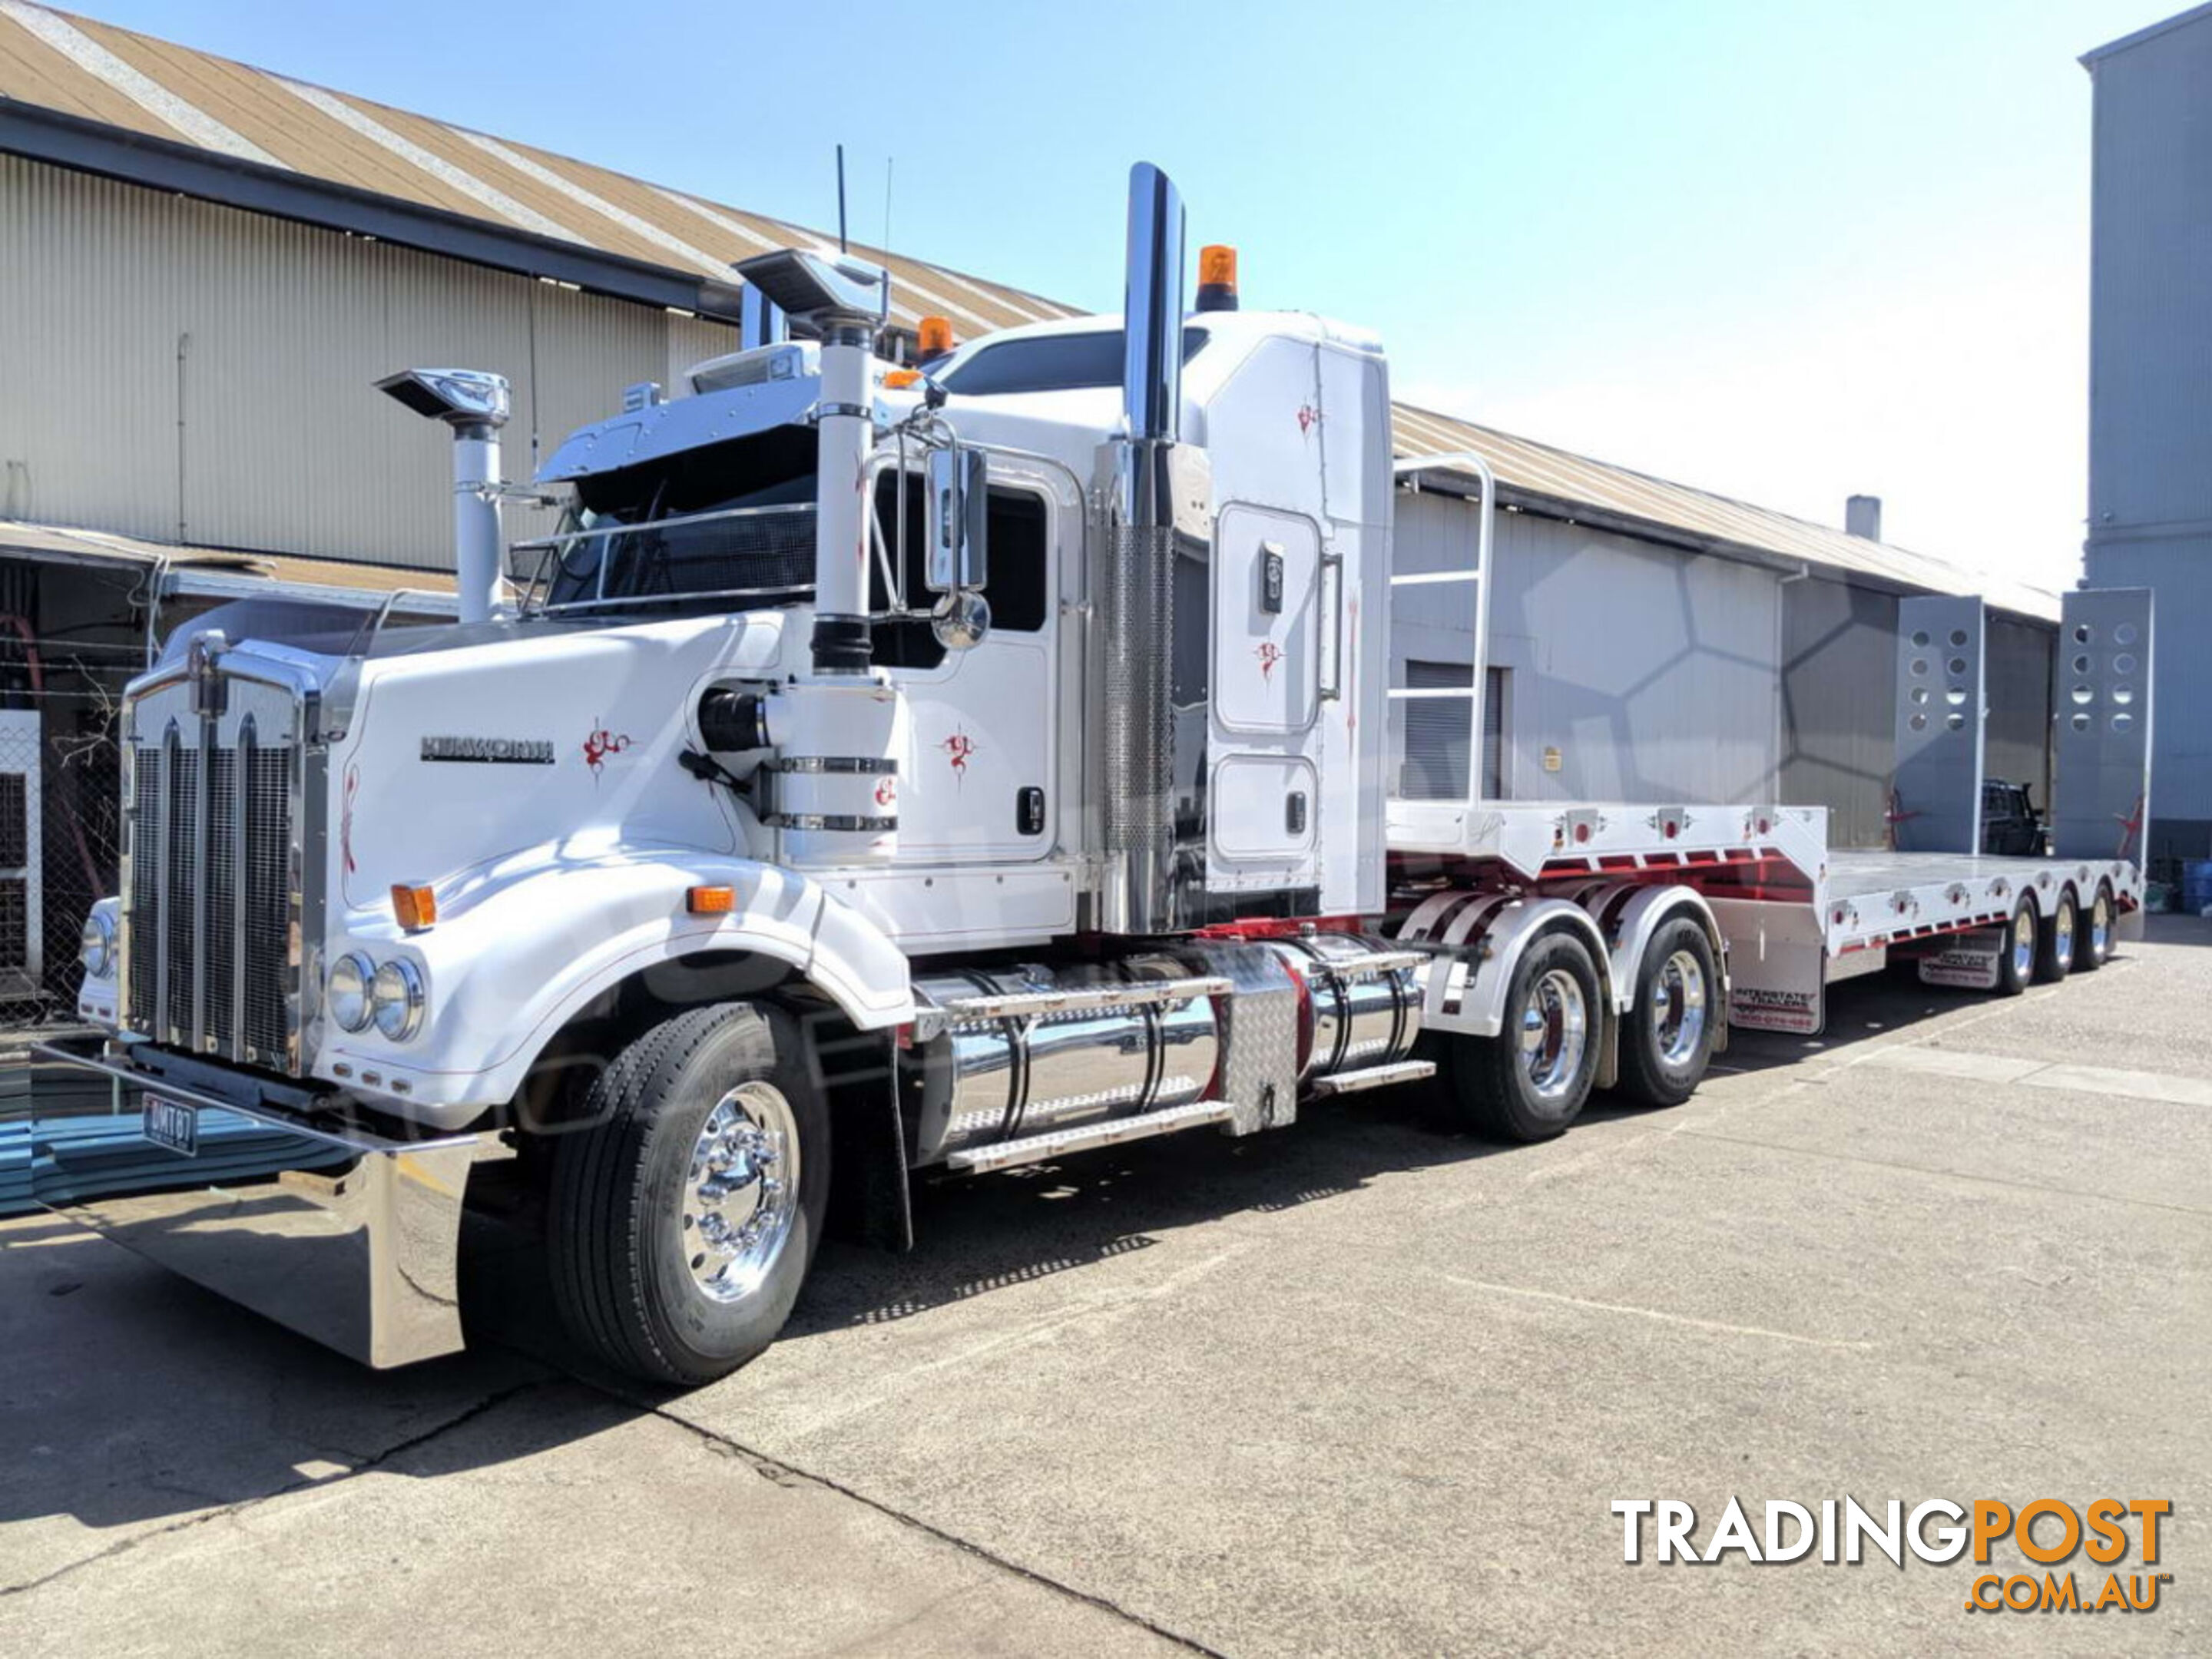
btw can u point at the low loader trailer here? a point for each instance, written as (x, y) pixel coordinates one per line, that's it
(942, 767)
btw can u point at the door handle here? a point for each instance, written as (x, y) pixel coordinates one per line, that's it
(1332, 576)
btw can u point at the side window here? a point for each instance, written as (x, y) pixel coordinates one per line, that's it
(1018, 591)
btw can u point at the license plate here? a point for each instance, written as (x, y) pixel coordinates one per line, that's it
(171, 1124)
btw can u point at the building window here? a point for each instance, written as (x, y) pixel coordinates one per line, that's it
(1436, 731)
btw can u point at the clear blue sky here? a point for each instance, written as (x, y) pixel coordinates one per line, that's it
(1781, 250)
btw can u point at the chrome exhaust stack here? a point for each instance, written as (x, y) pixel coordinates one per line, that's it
(844, 303)
(474, 406)
(1136, 602)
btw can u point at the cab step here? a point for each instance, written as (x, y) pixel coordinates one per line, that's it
(1035, 1149)
(1374, 1077)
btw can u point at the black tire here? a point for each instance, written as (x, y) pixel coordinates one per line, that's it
(1669, 1040)
(621, 1244)
(2013, 976)
(1491, 1082)
(2058, 944)
(2090, 953)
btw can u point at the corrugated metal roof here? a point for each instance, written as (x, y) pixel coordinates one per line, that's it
(1560, 478)
(93, 71)
(214, 569)
(86, 67)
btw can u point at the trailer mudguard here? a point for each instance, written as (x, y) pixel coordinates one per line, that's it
(514, 958)
(1641, 918)
(1497, 949)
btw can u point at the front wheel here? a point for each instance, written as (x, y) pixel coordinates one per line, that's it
(684, 1216)
(1529, 1082)
(1670, 1039)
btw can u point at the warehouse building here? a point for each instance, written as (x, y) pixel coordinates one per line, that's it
(2151, 386)
(203, 267)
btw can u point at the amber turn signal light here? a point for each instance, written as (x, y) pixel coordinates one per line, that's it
(416, 907)
(710, 901)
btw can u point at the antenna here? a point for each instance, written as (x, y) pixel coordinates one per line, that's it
(887, 202)
(841, 248)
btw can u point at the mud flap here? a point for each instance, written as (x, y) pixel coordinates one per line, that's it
(1967, 962)
(870, 1198)
(1777, 966)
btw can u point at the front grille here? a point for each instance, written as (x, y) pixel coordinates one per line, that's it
(208, 920)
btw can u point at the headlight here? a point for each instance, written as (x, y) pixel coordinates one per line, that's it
(397, 996)
(96, 948)
(346, 992)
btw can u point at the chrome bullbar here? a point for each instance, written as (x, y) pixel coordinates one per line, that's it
(338, 1232)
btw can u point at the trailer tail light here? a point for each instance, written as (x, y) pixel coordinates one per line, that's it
(710, 901)
(416, 907)
(1216, 277)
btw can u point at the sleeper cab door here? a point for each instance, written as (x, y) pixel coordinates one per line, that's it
(980, 786)
(1265, 787)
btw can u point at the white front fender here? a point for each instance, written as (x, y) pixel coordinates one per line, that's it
(512, 962)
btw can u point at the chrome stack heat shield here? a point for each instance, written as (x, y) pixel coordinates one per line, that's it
(1136, 601)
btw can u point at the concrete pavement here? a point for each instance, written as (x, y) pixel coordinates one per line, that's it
(1368, 1385)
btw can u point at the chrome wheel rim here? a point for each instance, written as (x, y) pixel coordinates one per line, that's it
(2100, 926)
(2063, 936)
(1678, 1001)
(2023, 941)
(740, 1192)
(1554, 1030)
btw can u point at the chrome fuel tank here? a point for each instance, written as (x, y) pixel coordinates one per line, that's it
(989, 1077)
(1358, 1017)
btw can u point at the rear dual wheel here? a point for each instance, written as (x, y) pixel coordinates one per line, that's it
(2058, 949)
(2092, 949)
(2017, 954)
(1529, 1082)
(1671, 1029)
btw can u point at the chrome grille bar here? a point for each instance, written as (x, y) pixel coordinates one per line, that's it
(211, 952)
(202, 785)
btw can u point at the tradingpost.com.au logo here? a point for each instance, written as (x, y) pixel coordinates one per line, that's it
(2048, 1531)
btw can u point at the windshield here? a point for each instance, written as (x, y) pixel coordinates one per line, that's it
(1049, 363)
(724, 520)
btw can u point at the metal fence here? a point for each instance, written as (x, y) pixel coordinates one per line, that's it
(61, 830)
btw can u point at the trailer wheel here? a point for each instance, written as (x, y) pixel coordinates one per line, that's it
(1529, 1082)
(2016, 960)
(2055, 953)
(2093, 946)
(683, 1219)
(1670, 1039)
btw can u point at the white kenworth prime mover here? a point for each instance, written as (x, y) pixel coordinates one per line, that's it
(938, 767)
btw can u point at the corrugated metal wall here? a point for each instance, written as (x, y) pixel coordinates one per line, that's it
(177, 370)
(1840, 705)
(2150, 393)
(2151, 269)
(1653, 675)
(2017, 663)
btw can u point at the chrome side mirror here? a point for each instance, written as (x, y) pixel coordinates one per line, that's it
(957, 524)
(956, 521)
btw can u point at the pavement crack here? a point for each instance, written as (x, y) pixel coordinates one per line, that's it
(239, 1506)
(788, 1475)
